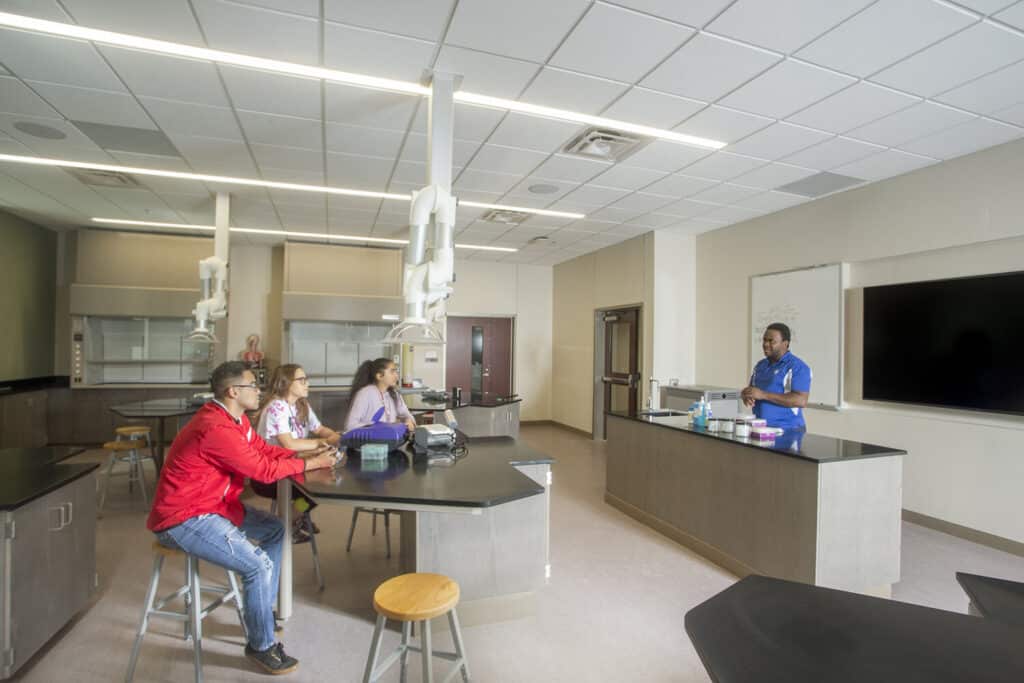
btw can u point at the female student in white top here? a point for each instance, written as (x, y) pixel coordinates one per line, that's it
(286, 419)
(374, 388)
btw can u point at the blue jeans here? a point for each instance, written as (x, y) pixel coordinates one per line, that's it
(215, 539)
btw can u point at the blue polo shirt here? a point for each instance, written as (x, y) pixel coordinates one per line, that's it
(789, 374)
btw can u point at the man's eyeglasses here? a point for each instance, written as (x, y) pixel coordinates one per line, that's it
(302, 380)
(253, 385)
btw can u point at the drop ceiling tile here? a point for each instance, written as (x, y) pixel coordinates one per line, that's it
(371, 108)
(853, 107)
(974, 135)
(150, 18)
(415, 149)
(49, 10)
(640, 201)
(418, 18)
(156, 183)
(293, 159)
(628, 177)
(883, 34)
(471, 123)
(153, 75)
(615, 215)
(617, 43)
(215, 155)
(43, 58)
(723, 124)
(531, 132)
(378, 54)
(686, 208)
(679, 185)
(139, 202)
(358, 172)
(485, 181)
(74, 145)
(351, 219)
(698, 226)
(732, 214)
(486, 74)
(652, 108)
(192, 119)
(771, 201)
(884, 165)
(257, 31)
(943, 66)
(989, 93)
(287, 131)
(523, 190)
(653, 220)
(572, 169)
(272, 93)
(662, 155)
(527, 29)
(1014, 114)
(16, 98)
(96, 106)
(779, 140)
(783, 25)
(1014, 16)
(686, 72)
(302, 218)
(337, 202)
(595, 195)
(723, 166)
(785, 89)
(576, 92)
(593, 226)
(366, 141)
(302, 176)
(917, 121)
(726, 193)
(986, 6)
(502, 159)
(774, 175)
(692, 12)
(835, 152)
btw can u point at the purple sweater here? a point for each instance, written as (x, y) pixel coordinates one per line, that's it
(368, 401)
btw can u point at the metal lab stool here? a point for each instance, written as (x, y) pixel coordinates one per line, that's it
(131, 449)
(410, 598)
(307, 523)
(194, 612)
(375, 512)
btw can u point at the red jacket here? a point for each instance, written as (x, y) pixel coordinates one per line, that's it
(206, 467)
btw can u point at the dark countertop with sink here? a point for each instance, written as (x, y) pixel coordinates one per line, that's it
(484, 477)
(792, 443)
(30, 473)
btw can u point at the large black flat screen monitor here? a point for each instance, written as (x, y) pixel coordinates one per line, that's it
(951, 343)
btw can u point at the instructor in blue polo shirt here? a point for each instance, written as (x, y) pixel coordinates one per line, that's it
(780, 383)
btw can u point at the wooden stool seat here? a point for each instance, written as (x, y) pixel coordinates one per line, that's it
(167, 552)
(132, 430)
(127, 445)
(416, 597)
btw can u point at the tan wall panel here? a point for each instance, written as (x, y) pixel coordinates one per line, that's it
(353, 271)
(140, 260)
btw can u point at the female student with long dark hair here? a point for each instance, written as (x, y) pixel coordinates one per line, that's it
(374, 388)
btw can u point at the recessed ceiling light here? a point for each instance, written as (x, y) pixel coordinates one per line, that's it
(38, 130)
(180, 50)
(253, 182)
(543, 188)
(285, 233)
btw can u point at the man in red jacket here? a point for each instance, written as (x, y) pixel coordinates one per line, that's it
(196, 506)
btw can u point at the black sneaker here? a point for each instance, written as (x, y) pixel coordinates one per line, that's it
(273, 659)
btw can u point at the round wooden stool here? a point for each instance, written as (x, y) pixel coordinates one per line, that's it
(129, 451)
(416, 598)
(194, 612)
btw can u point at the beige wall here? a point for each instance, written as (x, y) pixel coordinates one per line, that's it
(957, 218)
(251, 301)
(484, 288)
(28, 261)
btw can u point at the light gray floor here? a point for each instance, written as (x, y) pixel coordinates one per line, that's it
(613, 610)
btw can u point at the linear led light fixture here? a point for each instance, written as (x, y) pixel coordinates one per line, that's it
(286, 233)
(254, 182)
(181, 50)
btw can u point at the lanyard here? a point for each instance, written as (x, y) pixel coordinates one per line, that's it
(384, 403)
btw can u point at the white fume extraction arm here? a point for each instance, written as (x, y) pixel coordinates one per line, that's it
(213, 276)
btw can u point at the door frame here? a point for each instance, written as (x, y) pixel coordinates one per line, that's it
(598, 429)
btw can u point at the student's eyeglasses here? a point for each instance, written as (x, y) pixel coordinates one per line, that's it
(302, 380)
(253, 385)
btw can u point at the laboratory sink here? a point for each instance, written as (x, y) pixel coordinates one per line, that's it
(661, 413)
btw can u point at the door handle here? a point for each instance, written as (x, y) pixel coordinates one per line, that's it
(71, 512)
(616, 380)
(60, 512)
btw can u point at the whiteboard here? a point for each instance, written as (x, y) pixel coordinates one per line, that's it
(810, 301)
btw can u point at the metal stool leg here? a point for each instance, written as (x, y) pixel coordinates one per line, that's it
(387, 531)
(188, 599)
(460, 650)
(406, 632)
(371, 660)
(273, 507)
(373, 532)
(140, 470)
(308, 522)
(196, 616)
(239, 605)
(154, 583)
(106, 484)
(426, 650)
(352, 529)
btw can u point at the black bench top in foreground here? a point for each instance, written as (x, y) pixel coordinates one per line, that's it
(486, 476)
(999, 599)
(30, 473)
(767, 630)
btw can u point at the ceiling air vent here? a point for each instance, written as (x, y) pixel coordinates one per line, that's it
(605, 144)
(103, 178)
(505, 216)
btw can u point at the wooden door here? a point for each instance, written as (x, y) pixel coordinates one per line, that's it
(621, 360)
(478, 356)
